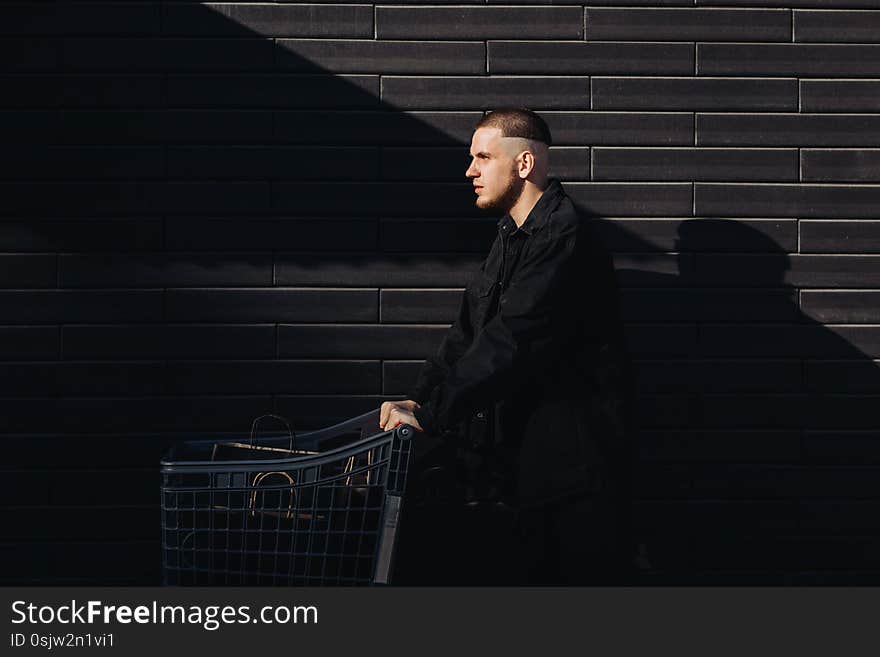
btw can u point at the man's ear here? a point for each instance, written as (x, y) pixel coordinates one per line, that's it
(526, 164)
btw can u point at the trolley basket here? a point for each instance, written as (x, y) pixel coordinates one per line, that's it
(281, 516)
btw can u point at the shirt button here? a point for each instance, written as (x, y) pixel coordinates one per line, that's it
(480, 415)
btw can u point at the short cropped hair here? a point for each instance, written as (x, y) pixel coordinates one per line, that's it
(517, 122)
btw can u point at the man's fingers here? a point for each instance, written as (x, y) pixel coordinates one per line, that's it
(383, 413)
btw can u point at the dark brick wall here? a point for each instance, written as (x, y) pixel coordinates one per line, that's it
(212, 212)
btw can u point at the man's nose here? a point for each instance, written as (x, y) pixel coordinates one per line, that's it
(471, 171)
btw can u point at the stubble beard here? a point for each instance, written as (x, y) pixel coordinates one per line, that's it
(508, 197)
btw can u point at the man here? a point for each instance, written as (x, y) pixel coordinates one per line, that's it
(532, 376)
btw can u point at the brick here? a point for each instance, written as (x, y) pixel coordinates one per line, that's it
(789, 340)
(302, 269)
(255, 234)
(479, 23)
(694, 164)
(375, 128)
(276, 162)
(450, 163)
(425, 164)
(837, 26)
(802, 271)
(846, 341)
(669, 410)
(841, 307)
(435, 235)
(743, 235)
(708, 305)
(111, 379)
(216, 126)
(163, 270)
(620, 128)
(399, 376)
(842, 376)
(842, 447)
(87, 563)
(120, 414)
(720, 376)
(486, 93)
(788, 130)
(759, 411)
(391, 199)
(95, 199)
(168, 127)
(840, 236)
(653, 340)
(786, 200)
(758, 481)
(652, 270)
(861, 165)
(788, 59)
(86, 18)
(829, 4)
(33, 54)
(689, 3)
(688, 24)
(313, 412)
(274, 377)
(276, 305)
(81, 91)
(168, 55)
(168, 341)
(58, 452)
(248, 20)
(840, 96)
(840, 515)
(362, 56)
(86, 163)
(273, 91)
(62, 525)
(63, 306)
(632, 199)
(694, 94)
(841, 411)
(80, 235)
(661, 481)
(82, 378)
(719, 446)
(368, 341)
(29, 126)
(22, 343)
(573, 58)
(430, 306)
(25, 271)
(61, 488)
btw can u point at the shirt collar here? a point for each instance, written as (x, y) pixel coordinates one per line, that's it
(545, 205)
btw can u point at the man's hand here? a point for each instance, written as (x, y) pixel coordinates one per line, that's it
(393, 413)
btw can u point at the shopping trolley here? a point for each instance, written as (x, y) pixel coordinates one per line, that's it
(236, 513)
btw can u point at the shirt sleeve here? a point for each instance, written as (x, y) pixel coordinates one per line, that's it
(455, 343)
(500, 356)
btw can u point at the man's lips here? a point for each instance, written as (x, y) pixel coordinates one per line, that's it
(477, 189)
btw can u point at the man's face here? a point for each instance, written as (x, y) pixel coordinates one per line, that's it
(493, 171)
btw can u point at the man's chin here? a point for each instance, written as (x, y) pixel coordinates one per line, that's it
(487, 204)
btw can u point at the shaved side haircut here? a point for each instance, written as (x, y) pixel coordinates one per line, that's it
(518, 122)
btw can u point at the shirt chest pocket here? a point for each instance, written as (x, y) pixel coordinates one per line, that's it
(483, 293)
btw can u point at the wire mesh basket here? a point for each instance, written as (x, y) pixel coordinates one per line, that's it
(245, 514)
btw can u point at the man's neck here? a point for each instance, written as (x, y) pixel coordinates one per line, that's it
(527, 200)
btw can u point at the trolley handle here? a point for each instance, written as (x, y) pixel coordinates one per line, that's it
(290, 432)
(366, 425)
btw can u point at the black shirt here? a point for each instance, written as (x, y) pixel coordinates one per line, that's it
(538, 344)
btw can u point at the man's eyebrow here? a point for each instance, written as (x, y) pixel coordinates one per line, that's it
(481, 154)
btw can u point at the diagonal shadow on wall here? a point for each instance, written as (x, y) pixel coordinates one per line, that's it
(203, 225)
